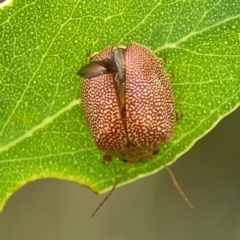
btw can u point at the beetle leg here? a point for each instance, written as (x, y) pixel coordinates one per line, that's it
(107, 158)
(124, 160)
(178, 115)
(156, 152)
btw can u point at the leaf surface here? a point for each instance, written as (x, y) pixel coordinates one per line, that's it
(42, 46)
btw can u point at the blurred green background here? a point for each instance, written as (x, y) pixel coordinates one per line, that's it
(149, 208)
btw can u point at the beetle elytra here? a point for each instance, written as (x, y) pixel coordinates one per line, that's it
(127, 101)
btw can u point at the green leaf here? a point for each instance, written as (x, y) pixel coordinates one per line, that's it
(43, 44)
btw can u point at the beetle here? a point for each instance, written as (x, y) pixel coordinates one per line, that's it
(128, 104)
(127, 101)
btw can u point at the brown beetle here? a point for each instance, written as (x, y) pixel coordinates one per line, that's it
(128, 104)
(127, 101)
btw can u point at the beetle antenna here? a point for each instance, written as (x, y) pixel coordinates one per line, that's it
(113, 188)
(177, 186)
